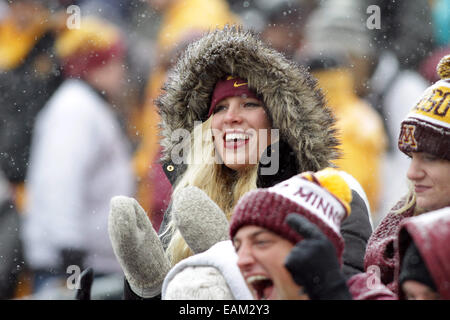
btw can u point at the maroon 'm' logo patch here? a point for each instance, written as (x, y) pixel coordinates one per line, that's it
(407, 137)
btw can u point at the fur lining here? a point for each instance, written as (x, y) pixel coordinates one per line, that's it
(294, 104)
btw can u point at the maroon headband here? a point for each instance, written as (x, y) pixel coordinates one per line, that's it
(230, 87)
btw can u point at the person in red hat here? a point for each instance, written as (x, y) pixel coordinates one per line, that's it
(425, 138)
(288, 241)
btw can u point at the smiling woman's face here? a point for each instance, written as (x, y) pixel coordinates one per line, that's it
(241, 131)
(261, 255)
(431, 179)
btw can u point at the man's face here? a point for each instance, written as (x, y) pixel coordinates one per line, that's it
(261, 255)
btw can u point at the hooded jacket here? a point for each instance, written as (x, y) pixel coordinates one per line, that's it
(293, 102)
(431, 234)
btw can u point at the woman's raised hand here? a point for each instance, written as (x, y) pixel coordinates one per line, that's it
(137, 247)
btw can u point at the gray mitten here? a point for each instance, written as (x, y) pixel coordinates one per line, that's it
(200, 220)
(137, 247)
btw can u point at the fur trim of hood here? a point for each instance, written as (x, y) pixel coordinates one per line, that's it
(293, 102)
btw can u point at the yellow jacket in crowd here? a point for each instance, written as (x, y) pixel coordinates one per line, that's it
(361, 129)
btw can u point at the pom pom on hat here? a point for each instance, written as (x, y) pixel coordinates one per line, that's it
(427, 126)
(330, 179)
(443, 68)
(305, 194)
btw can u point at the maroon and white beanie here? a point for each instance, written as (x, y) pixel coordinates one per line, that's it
(323, 198)
(427, 126)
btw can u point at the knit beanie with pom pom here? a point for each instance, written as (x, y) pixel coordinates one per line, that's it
(322, 197)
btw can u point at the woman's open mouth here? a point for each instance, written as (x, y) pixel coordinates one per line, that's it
(235, 140)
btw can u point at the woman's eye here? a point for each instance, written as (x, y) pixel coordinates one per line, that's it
(219, 108)
(252, 104)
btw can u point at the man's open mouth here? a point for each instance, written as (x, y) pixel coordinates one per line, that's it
(261, 286)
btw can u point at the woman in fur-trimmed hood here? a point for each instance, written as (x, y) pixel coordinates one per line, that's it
(235, 63)
(288, 94)
(293, 102)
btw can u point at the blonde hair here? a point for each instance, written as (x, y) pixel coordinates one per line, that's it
(223, 185)
(410, 201)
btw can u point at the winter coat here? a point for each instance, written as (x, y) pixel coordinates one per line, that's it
(294, 104)
(80, 159)
(381, 250)
(355, 229)
(291, 97)
(360, 289)
(431, 234)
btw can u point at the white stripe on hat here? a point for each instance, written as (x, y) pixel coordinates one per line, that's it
(441, 83)
(420, 117)
(313, 198)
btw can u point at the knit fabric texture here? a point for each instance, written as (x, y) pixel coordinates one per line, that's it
(381, 251)
(427, 126)
(268, 208)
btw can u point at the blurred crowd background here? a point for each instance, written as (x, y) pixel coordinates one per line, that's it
(78, 123)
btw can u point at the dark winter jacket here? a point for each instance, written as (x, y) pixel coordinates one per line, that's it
(24, 91)
(11, 253)
(308, 139)
(356, 229)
